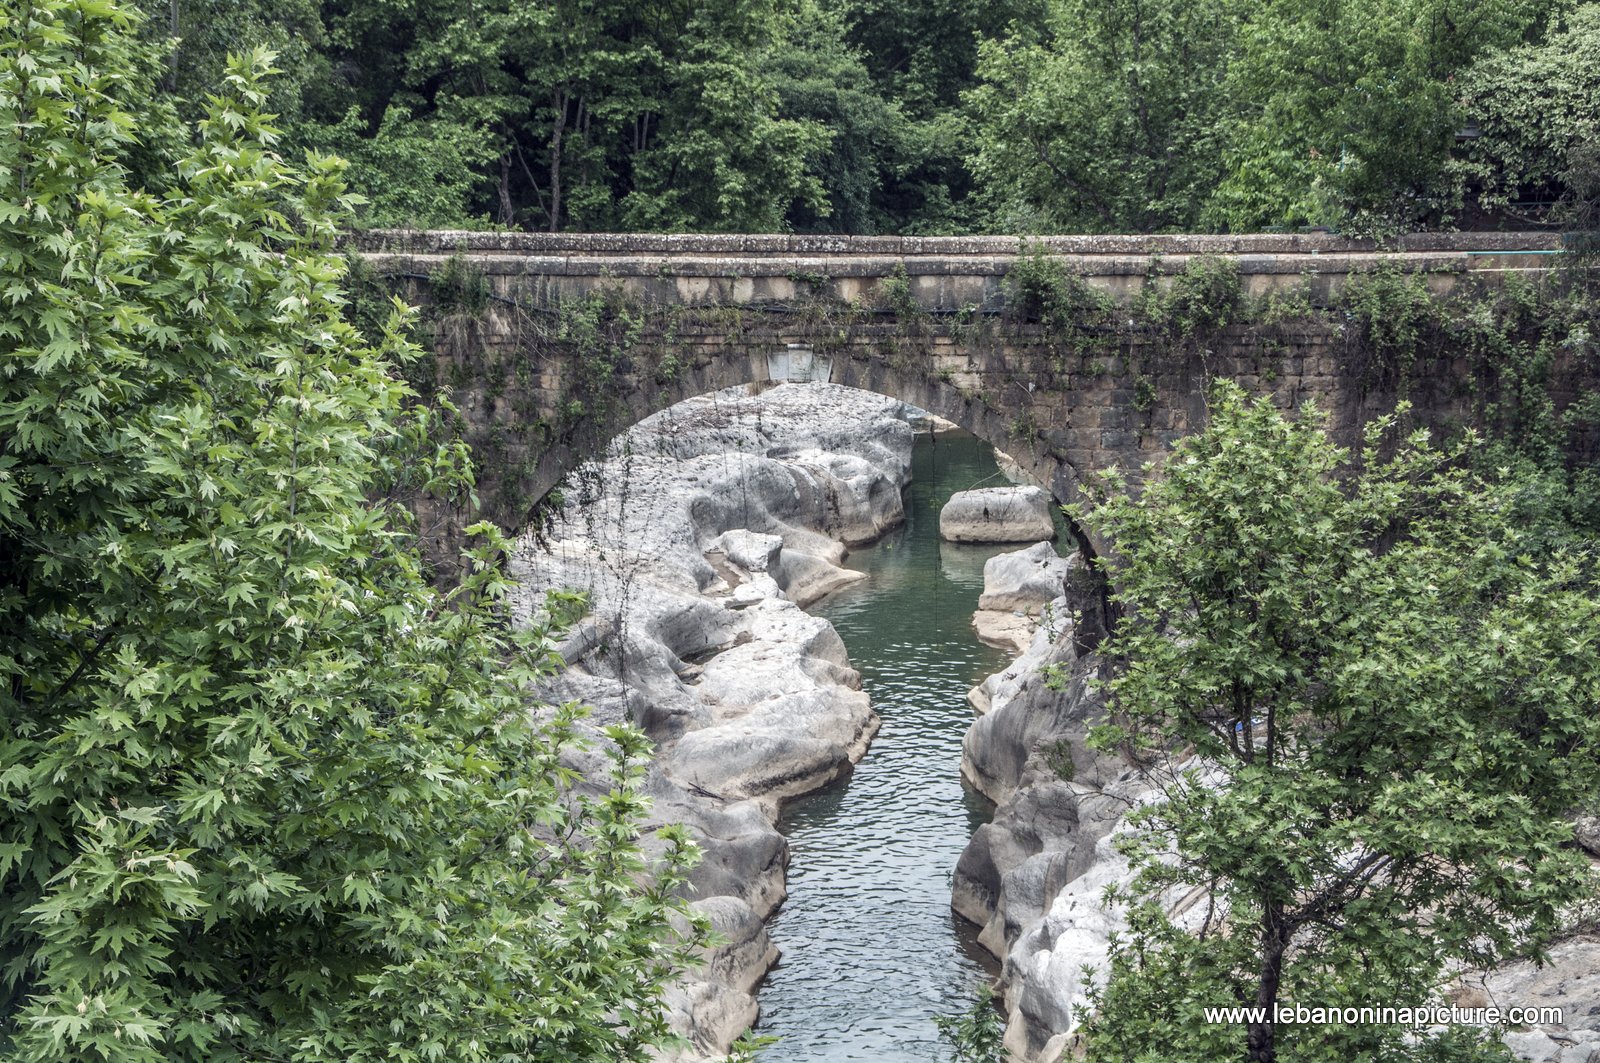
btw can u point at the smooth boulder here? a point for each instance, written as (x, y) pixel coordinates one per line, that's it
(1025, 579)
(997, 515)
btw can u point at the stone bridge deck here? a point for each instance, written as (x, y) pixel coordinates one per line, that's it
(946, 273)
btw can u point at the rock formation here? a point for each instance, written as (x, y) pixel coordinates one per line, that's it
(698, 538)
(997, 515)
(1018, 587)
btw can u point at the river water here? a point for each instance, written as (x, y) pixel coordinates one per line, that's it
(871, 949)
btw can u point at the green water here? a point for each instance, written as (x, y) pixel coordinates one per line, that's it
(871, 950)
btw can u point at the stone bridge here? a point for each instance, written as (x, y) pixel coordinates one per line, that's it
(553, 343)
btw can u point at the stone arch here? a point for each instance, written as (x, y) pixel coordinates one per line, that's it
(755, 364)
(640, 395)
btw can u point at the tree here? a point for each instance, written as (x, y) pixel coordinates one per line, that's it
(592, 115)
(205, 35)
(1344, 110)
(1391, 710)
(266, 795)
(1106, 122)
(1538, 111)
(820, 79)
(721, 155)
(923, 57)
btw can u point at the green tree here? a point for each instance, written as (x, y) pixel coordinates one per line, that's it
(820, 79)
(588, 115)
(207, 34)
(266, 795)
(1343, 111)
(923, 57)
(722, 155)
(1538, 111)
(1391, 706)
(1105, 121)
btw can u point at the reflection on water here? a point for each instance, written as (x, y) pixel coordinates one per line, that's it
(871, 950)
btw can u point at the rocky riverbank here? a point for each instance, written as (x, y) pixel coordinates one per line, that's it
(699, 539)
(1032, 876)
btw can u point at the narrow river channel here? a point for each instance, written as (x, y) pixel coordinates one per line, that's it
(871, 950)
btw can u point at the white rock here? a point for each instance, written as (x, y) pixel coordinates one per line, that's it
(1003, 629)
(1570, 981)
(1533, 1045)
(749, 550)
(1045, 971)
(997, 515)
(1019, 709)
(1586, 829)
(1025, 579)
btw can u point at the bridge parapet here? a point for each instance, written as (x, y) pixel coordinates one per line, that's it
(945, 273)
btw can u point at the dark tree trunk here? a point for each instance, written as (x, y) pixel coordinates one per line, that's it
(1275, 933)
(558, 130)
(172, 56)
(508, 209)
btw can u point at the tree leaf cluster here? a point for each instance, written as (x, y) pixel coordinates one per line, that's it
(1157, 115)
(1367, 694)
(264, 793)
(1371, 116)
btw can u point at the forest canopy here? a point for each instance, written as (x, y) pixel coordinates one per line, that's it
(864, 116)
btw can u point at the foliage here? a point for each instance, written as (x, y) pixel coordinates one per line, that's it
(1538, 109)
(267, 795)
(1145, 115)
(868, 116)
(1392, 313)
(724, 157)
(1390, 702)
(1105, 121)
(1204, 298)
(1581, 209)
(1039, 287)
(923, 57)
(203, 37)
(749, 1047)
(1162, 979)
(1058, 758)
(975, 1035)
(820, 78)
(1344, 110)
(417, 172)
(895, 293)
(579, 115)
(458, 287)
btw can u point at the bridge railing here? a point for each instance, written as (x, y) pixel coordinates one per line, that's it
(944, 273)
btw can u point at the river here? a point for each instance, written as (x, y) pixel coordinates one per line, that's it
(871, 949)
